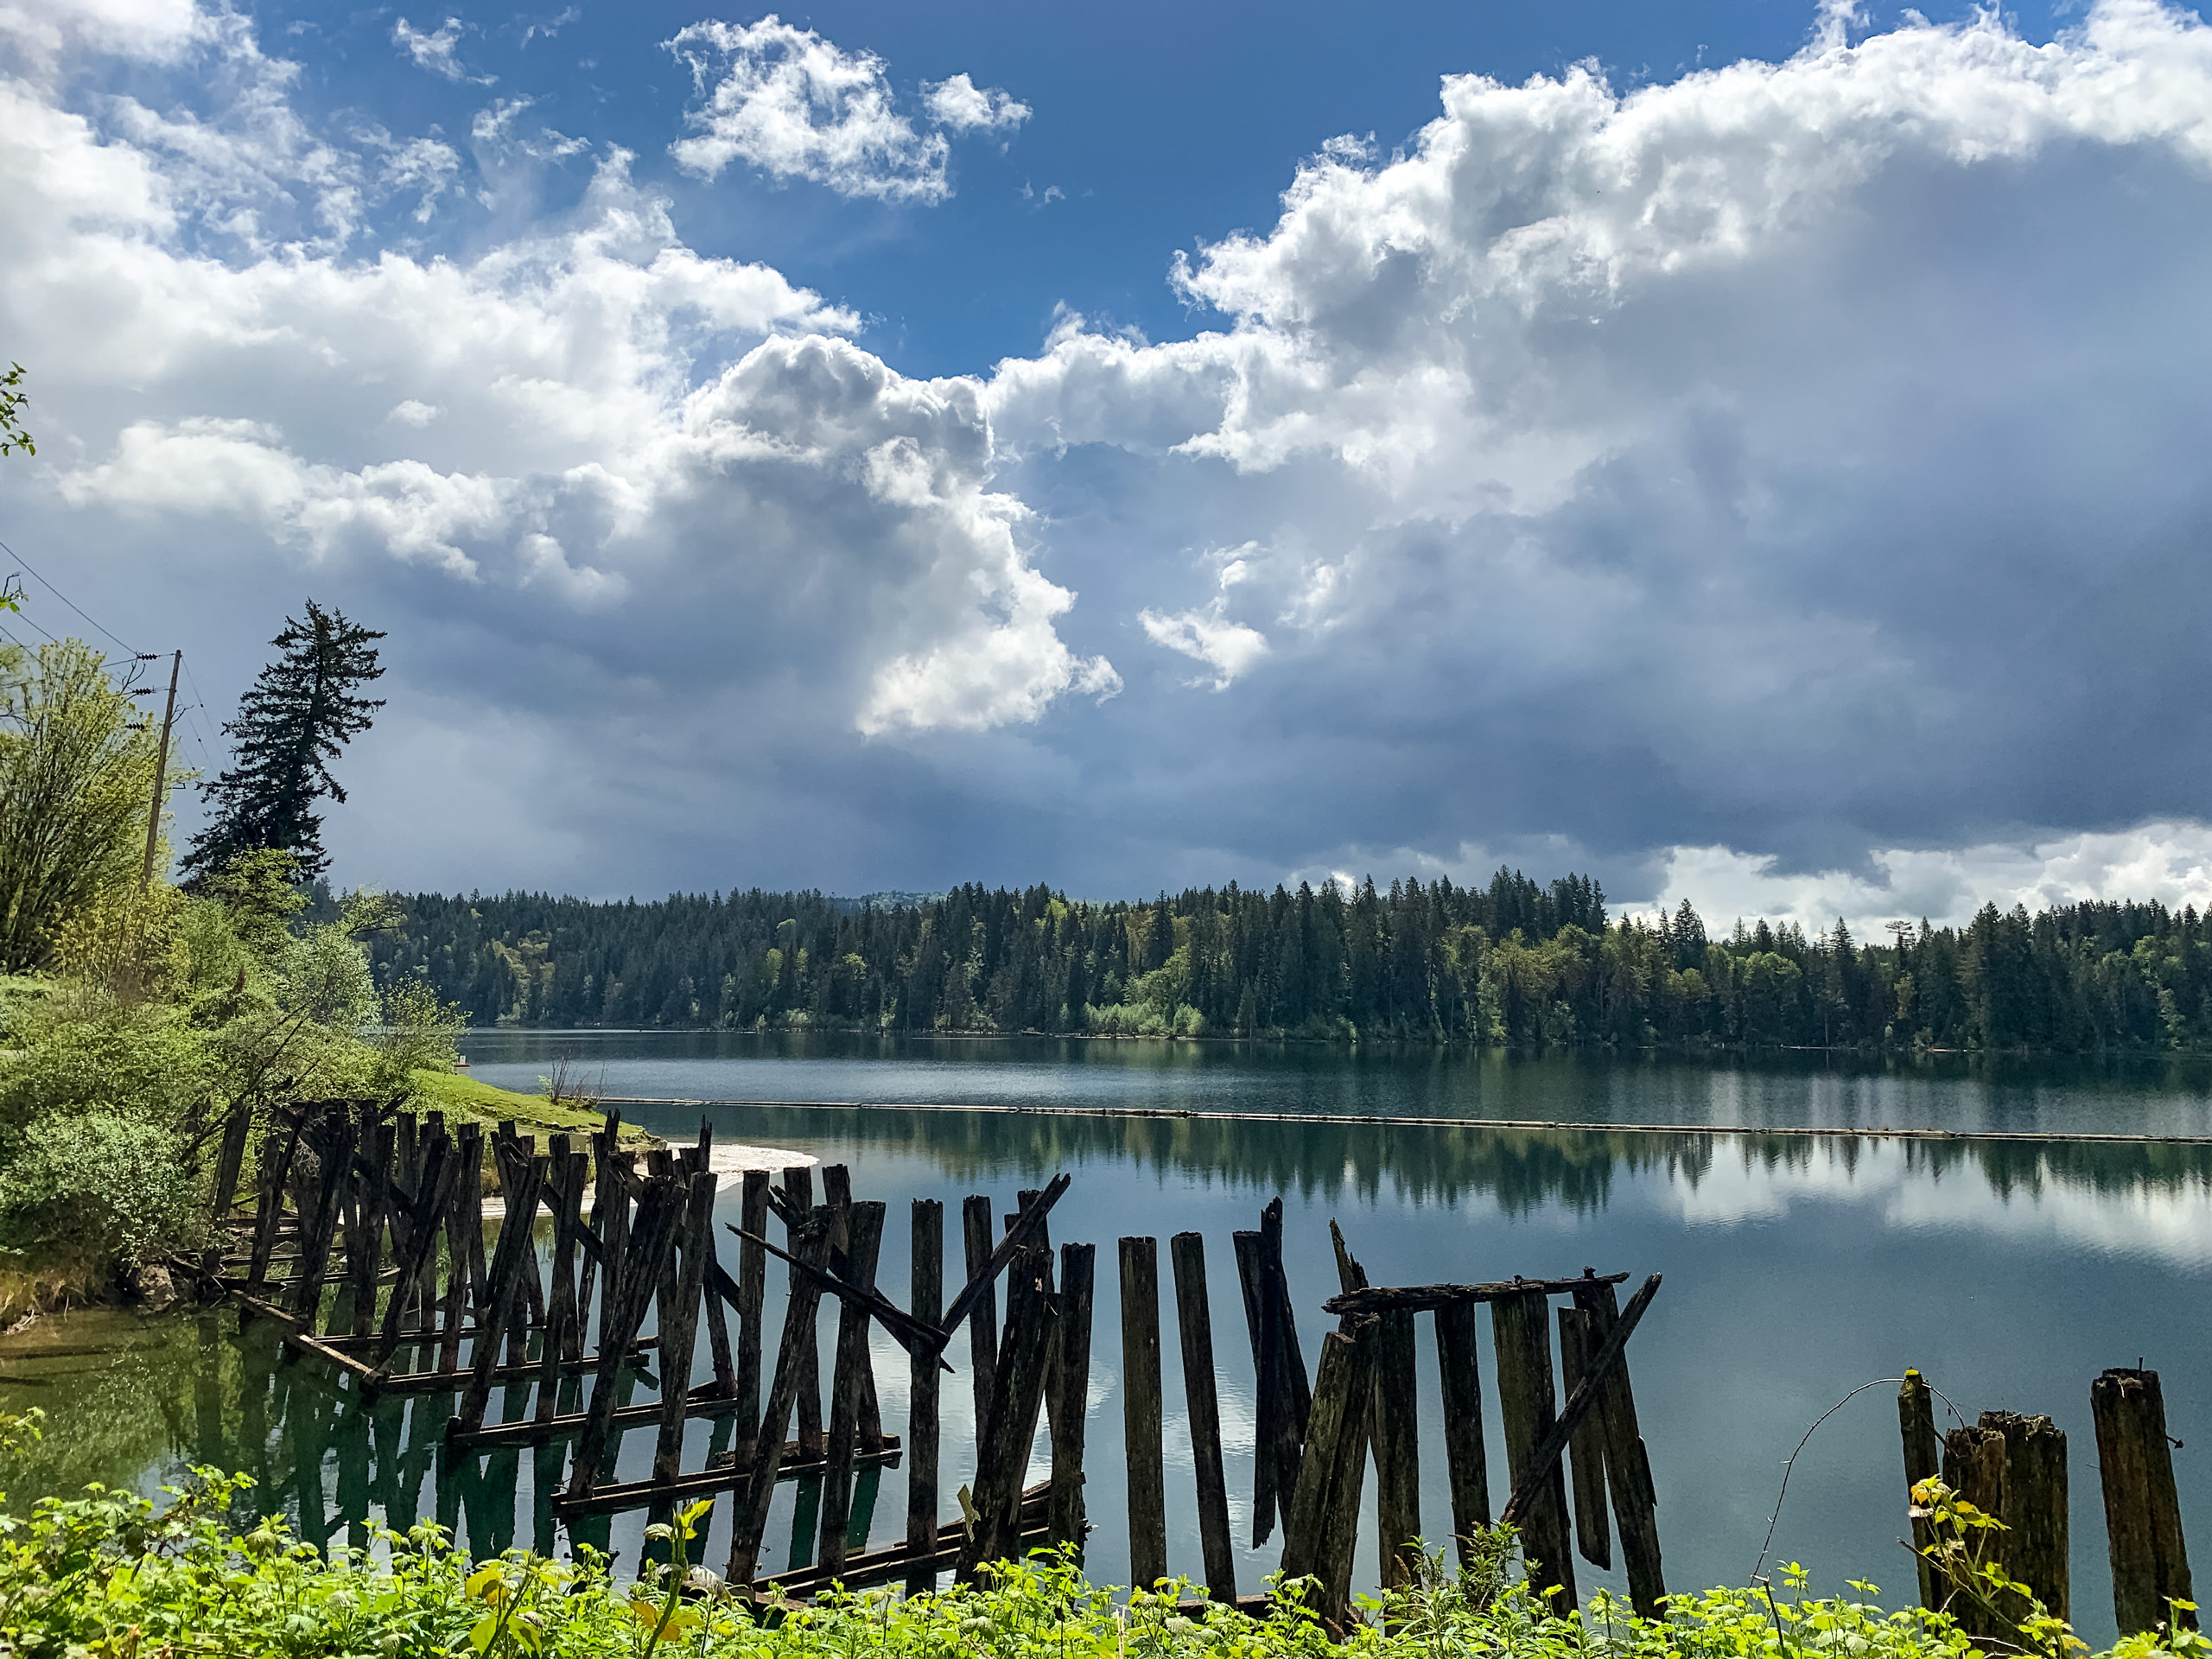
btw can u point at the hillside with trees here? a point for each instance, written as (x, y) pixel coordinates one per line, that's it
(1515, 964)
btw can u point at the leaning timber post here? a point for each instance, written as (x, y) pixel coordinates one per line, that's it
(522, 1188)
(1397, 1450)
(1586, 1448)
(230, 1160)
(271, 1208)
(1322, 1521)
(602, 1141)
(1071, 1371)
(1266, 1396)
(1010, 1427)
(1466, 1461)
(925, 1301)
(984, 1319)
(464, 1225)
(1521, 1328)
(1628, 1463)
(1142, 1410)
(1916, 1425)
(1040, 1237)
(752, 1292)
(660, 1219)
(2150, 1563)
(433, 1223)
(811, 1244)
(1285, 1361)
(373, 1214)
(2014, 1467)
(682, 1291)
(562, 1340)
(1194, 1322)
(433, 1192)
(613, 1229)
(863, 1225)
(717, 1316)
(798, 1189)
(333, 1149)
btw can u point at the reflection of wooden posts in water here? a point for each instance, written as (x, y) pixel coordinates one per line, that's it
(2150, 1561)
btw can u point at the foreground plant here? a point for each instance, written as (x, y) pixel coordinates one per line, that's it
(110, 1576)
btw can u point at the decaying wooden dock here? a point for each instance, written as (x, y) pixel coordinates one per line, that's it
(370, 1247)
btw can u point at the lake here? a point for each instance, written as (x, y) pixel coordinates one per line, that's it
(2011, 1271)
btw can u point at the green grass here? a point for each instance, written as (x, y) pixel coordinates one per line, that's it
(464, 1098)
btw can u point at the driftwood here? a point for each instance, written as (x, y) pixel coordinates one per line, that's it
(1421, 1298)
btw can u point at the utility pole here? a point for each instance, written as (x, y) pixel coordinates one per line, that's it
(161, 778)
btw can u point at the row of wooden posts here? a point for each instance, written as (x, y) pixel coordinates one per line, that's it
(376, 1197)
(2013, 1468)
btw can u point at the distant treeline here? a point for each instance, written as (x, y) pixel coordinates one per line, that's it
(1515, 964)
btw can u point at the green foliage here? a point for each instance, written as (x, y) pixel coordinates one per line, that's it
(76, 773)
(301, 711)
(420, 1034)
(108, 1575)
(145, 1062)
(100, 1184)
(12, 399)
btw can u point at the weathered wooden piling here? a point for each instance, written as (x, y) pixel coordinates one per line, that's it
(684, 1288)
(2135, 1466)
(1009, 1427)
(984, 1319)
(1194, 1322)
(1628, 1463)
(1142, 1410)
(1586, 1447)
(659, 1222)
(811, 1244)
(925, 1301)
(1521, 1328)
(799, 1196)
(1466, 1461)
(851, 1371)
(521, 1189)
(1397, 1450)
(1071, 1379)
(747, 1294)
(2014, 1467)
(1917, 1425)
(1322, 1523)
(563, 1338)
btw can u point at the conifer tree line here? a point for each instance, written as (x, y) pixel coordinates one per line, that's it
(1515, 963)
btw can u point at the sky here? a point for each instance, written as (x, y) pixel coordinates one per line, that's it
(1750, 452)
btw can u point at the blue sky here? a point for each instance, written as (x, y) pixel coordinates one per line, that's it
(1750, 452)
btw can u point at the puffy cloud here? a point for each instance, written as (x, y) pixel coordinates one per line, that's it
(590, 480)
(1783, 458)
(797, 106)
(1795, 459)
(437, 50)
(959, 104)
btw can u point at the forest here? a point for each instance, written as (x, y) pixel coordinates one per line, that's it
(1517, 964)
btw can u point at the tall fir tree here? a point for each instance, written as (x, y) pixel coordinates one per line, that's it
(302, 710)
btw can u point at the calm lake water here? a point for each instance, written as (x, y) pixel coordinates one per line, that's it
(1796, 1268)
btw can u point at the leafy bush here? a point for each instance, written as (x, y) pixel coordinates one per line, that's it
(146, 1063)
(106, 1574)
(98, 1183)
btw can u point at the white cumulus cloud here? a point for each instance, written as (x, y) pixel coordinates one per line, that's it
(795, 105)
(437, 50)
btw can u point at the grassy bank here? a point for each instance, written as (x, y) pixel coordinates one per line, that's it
(465, 1100)
(105, 1575)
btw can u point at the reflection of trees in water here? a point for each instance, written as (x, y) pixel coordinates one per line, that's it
(1519, 1170)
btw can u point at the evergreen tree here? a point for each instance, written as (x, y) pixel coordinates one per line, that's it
(302, 710)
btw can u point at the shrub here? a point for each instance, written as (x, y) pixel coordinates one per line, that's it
(146, 1063)
(98, 1184)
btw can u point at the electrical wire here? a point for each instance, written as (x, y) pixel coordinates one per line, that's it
(64, 597)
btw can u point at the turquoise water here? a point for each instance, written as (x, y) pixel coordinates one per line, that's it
(1795, 1268)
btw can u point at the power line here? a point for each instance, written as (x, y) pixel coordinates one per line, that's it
(63, 597)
